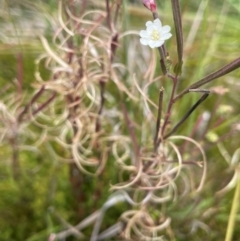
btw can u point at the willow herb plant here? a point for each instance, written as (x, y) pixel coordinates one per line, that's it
(150, 176)
(96, 109)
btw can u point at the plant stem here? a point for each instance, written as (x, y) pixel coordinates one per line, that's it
(234, 209)
(171, 102)
(108, 11)
(45, 104)
(158, 119)
(102, 91)
(175, 128)
(35, 97)
(162, 51)
(132, 134)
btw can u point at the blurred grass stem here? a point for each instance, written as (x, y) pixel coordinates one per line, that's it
(233, 214)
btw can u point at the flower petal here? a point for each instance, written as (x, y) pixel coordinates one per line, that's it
(150, 28)
(144, 34)
(144, 41)
(149, 23)
(149, 36)
(166, 36)
(157, 23)
(165, 29)
(159, 43)
(152, 44)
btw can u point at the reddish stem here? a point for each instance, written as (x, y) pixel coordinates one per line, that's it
(35, 97)
(132, 134)
(108, 15)
(171, 102)
(45, 104)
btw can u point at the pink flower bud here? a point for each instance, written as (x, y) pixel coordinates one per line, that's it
(150, 4)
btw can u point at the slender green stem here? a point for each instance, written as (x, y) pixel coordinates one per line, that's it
(234, 209)
(158, 118)
(170, 104)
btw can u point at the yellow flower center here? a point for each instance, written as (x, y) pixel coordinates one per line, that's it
(155, 35)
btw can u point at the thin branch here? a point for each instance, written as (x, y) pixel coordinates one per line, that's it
(114, 45)
(132, 133)
(111, 232)
(108, 15)
(162, 51)
(221, 72)
(119, 4)
(102, 91)
(175, 128)
(35, 97)
(45, 104)
(72, 231)
(171, 102)
(179, 33)
(158, 118)
(114, 199)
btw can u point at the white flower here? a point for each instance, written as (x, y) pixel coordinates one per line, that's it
(155, 34)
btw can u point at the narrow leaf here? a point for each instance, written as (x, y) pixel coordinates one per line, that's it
(175, 128)
(221, 72)
(178, 27)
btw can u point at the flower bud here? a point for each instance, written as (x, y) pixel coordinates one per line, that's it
(150, 4)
